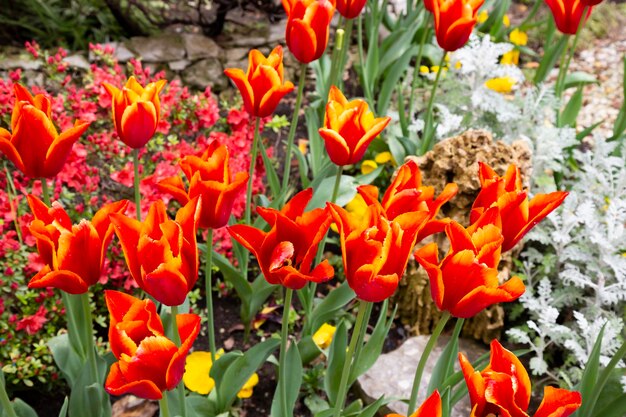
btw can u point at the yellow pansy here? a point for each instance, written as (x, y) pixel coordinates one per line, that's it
(383, 158)
(510, 58)
(324, 335)
(424, 69)
(356, 206)
(506, 21)
(368, 166)
(482, 17)
(501, 84)
(517, 37)
(434, 68)
(196, 377)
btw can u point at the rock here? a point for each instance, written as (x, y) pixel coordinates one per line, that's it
(77, 61)
(392, 374)
(198, 46)
(131, 406)
(178, 65)
(162, 48)
(122, 53)
(205, 72)
(19, 61)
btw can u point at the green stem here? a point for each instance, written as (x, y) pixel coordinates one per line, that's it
(87, 334)
(293, 126)
(533, 12)
(248, 211)
(135, 153)
(209, 293)
(428, 135)
(164, 406)
(334, 57)
(176, 340)
(12, 194)
(432, 341)
(5, 401)
(283, 351)
(416, 70)
(45, 191)
(560, 86)
(368, 313)
(366, 87)
(347, 365)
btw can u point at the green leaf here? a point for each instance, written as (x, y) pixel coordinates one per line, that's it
(620, 123)
(332, 304)
(549, 60)
(88, 397)
(614, 408)
(336, 359)
(261, 290)
(586, 132)
(590, 377)
(571, 110)
(270, 170)
(444, 367)
(66, 358)
(292, 383)
(372, 409)
(369, 178)
(392, 78)
(323, 193)
(316, 143)
(64, 408)
(22, 409)
(308, 349)
(233, 276)
(315, 403)
(579, 78)
(199, 406)
(231, 378)
(395, 147)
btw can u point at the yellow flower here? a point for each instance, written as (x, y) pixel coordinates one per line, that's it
(383, 158)
(324, 335)
(356, 206)
(510, 58)
(506, 21)
(423, 69)
(458, 65)
(246, 391)
(501, 84)
(434, 68)
(517, 37)
(196, 377)
(303, 145)
(368, 166)
(482, 17)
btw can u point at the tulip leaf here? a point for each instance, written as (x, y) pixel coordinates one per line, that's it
(232, 275)
(571, 110)
(63, 411)
(392, 78)
(549, 60)
(444, 367)
(231, 378)
(336, 359)
(270, 170)
(316, 153)
(261, 290)
(308, 349)
(446, 405)
(88, 396)
(22, 409)
(198, 406)
(332, 304)
(578, 78)
(293, 382)
(65, 357)
(323, 193)
(614, 408)
(620, 123)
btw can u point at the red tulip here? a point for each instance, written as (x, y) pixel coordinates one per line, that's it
(375, 249)
(162, 254)
(428, 5)
(465, 281)
(567, 13)
(407, 194)
(430, 408)
(454, 21)
(518, 214)
(73, 254)
(349, 128)
(263, 85)
(286, 253)
(308, 23)
(209, 177)
(350, 8)
(136, 111)
(35, 147)
(503, 389)
(148, 362)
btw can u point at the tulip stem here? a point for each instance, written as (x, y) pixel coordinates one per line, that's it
(87, 334)
(135, 153)
(284, 332)
(164, 406)
(432, 341)
(209, 293)
(248, 210)
(5, 402)
(429, 130)
(366, 87)
(416, 70)
(176, 340)
(342, 43)
(293, 127)
(45, 191)
(13, 203)
(347, 365)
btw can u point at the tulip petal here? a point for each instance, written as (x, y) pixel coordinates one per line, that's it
(245, 89)
(138, 124)
(116, 384)
(7, 148)
(64, 280)
(482, 297)
(558, 402)
(302, 41)
(61, 147)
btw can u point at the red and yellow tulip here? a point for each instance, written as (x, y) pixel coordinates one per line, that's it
(568, 13)
(350, 8)
(34, 145)
(308, 23)
(454, 21)
(263, 85)
(430, 408)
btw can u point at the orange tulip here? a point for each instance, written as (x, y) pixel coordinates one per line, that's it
(407, 194)
(308, 23)
(428, 5)
(350, 8)
(503, 389)
(465, 281)
(567, 13)
(136, 111)
(518, 214)
(209, 177)
(162, 254)
(263, 85)
(454, 21)
(375, 249)
(349, 128)
(148, 362)
(35, 147)
(73, 254)
(430, 408)
(286, 253)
